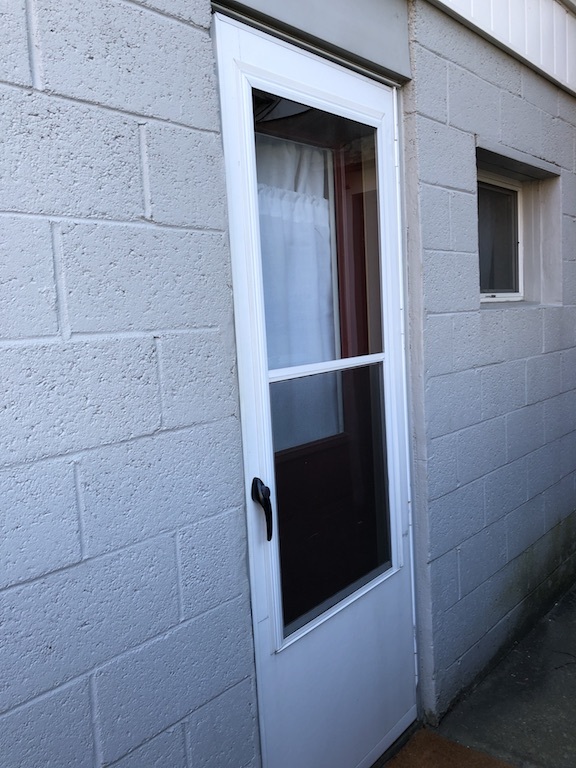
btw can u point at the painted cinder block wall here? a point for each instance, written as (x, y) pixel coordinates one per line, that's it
(126, 635)
(123, 580)
(493, 388)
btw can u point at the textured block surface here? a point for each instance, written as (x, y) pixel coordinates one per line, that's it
(214, 569)
(503, 388)
(524, 431)
(39, 509)
(122, 278)
(525, 525)
(59, 398)
(223, 731)
(505, 489)
(66, 623)
(478, 115)
(198, 381)
(136, 490)
(460, 292)
(167, 749)
(482, 555)
(27, 289)
(14, 64)
(453, 402)
(455, 517)
(54, 731)
(160, 683)
(447, 156)
(196, 11)
(430, 75)
(118, 55)
(481, 448)
(186, 177)
(68, 158)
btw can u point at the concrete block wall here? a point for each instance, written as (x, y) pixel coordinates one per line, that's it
(126, 634)
(493, 386)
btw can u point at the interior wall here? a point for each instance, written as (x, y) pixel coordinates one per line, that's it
(493, 386)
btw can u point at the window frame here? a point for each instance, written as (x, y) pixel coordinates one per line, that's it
(506, 182)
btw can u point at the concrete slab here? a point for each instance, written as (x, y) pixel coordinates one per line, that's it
(524, 710)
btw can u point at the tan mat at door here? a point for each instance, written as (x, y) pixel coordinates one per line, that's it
(426, 749)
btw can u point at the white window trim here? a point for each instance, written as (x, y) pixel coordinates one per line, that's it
(508, 183)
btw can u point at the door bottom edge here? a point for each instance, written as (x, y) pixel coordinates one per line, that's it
(393, 734)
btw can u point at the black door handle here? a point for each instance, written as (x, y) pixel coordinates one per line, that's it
(261, 495)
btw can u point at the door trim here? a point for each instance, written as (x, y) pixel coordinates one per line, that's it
(236, 83)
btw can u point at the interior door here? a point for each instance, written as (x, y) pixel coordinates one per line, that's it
(312, 177)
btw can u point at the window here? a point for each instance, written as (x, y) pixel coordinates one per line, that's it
(500, 238)
(519, 228)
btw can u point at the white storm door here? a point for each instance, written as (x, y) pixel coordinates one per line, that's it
(313, 189)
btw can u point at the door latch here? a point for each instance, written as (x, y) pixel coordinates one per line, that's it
(261, 495)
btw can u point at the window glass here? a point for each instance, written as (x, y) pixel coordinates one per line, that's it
(317, 199)
(498, 239)
(332, 496)
(319, 238)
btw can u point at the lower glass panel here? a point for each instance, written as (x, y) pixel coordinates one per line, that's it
(306, 410)
(332, 492)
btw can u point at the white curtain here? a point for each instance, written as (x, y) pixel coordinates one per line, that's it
(298, 286)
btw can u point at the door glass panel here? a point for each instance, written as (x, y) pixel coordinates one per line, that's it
(318, 210)
(306, 409)
(317, 200)
(331, 493)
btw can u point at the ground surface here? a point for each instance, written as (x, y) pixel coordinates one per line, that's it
(524, 712)
(427, 749)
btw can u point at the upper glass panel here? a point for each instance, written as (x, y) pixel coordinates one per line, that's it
(317, 194)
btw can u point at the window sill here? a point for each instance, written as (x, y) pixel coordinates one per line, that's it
(488, 298)
(509, 304)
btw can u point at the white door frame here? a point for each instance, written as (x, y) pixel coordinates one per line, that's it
(236, 84)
